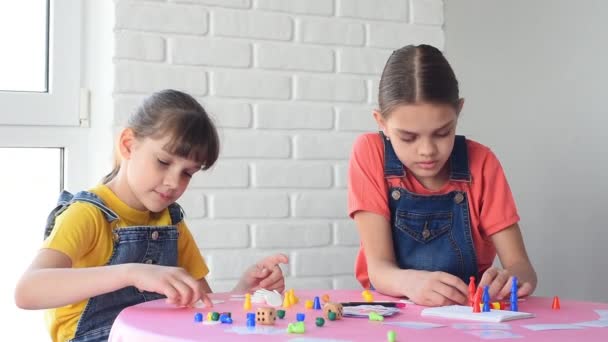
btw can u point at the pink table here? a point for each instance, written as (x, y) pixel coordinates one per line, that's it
(156, 321)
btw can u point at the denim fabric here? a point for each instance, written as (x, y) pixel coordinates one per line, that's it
(137, 244)
(432, 232)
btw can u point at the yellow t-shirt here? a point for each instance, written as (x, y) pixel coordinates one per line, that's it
(83, 234)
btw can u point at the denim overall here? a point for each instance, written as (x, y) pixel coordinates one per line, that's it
(432, 232)
(137, 244)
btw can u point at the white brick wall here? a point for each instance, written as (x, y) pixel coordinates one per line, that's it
(290, 57)
(290, 83)
(333, 32)
(371, 9)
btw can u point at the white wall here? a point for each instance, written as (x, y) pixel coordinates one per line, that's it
(290, 83)
(533, 74)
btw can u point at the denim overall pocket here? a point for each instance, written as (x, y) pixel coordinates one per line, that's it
(426, 241)
(423, 227)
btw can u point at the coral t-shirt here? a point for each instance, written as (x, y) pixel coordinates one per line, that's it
(491, 204)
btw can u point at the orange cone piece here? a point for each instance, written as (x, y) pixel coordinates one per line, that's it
(555, 305)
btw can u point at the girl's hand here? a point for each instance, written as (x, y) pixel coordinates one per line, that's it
(266, 274)
(438, 289)
(500, 282)
(175, 283)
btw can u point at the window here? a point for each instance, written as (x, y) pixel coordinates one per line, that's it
(23, 65)
(40, 62)
(42, 147)
(30, 192)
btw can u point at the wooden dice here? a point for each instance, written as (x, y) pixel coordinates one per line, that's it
(265, 316)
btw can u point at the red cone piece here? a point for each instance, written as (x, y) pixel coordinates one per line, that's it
(555, 305)
(472, 291)
(477, 301)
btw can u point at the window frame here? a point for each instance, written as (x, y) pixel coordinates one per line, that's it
(60, 105)
(76, 166)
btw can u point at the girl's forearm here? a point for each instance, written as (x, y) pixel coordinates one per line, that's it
(55, 287)
(391, 280)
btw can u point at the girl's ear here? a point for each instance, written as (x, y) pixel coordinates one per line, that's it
(126, 141)
(380, 121)
(459, 105)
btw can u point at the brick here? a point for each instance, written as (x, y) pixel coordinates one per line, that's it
(222, 3)
(293, 116)
(298, 283)
(137, 46)
(373, 9)
(356, 119)
(290, 235)
(225, 264)
(252, 145)
(346, 234)
(427, 12)
(395, 36)
(314, 262)
(362, 60)
(250, 24)
(269, 174)
(323, 146)
(330, 31)
(228, 113)
(294, 57)
(249, 205)
(327, 204)
(193, 203)
(224, 174)
(211, 234)
(374, 86)
(346, 283)
(212, 52)
(169, 18)
(330, 89)
(221, 285)
(250, 84)
(312, 7)
(148, 78)
(341, 175)
(124, 106)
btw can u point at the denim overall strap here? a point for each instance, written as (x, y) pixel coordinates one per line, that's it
(64, 201)
(176, 212)
(459, 160)
(433, 232)
(139, 244)
(392, 165)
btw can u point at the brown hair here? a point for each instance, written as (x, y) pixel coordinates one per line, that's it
(174, 113)
(416, 74)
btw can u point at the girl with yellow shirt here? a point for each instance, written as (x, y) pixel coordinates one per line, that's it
(124, 241)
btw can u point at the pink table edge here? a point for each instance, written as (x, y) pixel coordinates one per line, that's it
(157, 321)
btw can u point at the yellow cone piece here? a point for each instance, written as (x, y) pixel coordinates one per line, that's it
(247, 303)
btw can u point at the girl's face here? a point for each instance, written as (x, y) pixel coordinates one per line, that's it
(422, 136)
(156, 178)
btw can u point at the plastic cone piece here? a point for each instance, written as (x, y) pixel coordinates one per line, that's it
(286, 301)
(477, 301)
(472, 290)
(555, 305)
(247, 303)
